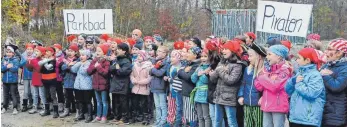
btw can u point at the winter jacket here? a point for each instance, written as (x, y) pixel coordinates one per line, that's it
(228, 77)
(158, 85)
(247, 90)
(83, 79)
(33, 65)
(307, 98)
(9, 75)
(59, 62)
(187, 84)
(274, 98)
(27, 74)
(335, 110)
(69, 76)
(120, 78)
(100, 74)
(48, 70)
(201, 84)
(140, 77)
(175, 82)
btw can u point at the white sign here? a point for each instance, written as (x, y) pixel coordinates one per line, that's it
(283, 18)
(88, 21)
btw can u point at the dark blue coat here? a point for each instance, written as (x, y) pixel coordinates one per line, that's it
(9, 75)
(336, 87)
(158, 85)
(247, 90)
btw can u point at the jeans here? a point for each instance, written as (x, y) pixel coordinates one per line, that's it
(179, 109)
(102, 103)
(230, 112)
(38, 91)
(160, 107)
(272, 119)
(203, 114)
(10, 90)
(27, 89)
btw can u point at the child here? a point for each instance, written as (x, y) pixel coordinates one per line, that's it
(148, 41)
(81, 41)
(185, 73)
(271, 81)
(120, 70)
(9, 70)
(37, 88)
(199, 94)
(334, 74)
(140, 78)
(228, 76)
(250, 38)
(83, 85)
(194, 42)
(306, 91)
(59, 62)
(248, 94)
(158, 85)
(175, 86)
(27, 76)
(49, 78)
(69, 80)
(98, 69)
(152, 51)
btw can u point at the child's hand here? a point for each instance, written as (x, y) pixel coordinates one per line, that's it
(201, 73)
(166, 78)
(96, 64)
(5, 62)
(72, 63)
(259, 102)
(241, 99)
(117, 66)
(211, 72)
(299, 78)
(112, 57)
(9, 65)
(326, 72)
(187, 69)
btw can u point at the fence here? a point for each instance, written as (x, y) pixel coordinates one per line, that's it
(231, 22)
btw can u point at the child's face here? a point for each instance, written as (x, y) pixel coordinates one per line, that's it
(204, 57)
(191, 44)
(71, 53)
(9, 53)
(37, 53)
(302, 61)
(114, 46)
(161, 53)
(49, 53)
(332, 54)
(174, 60)
(148, 42)
(273, 58)
(99, 52)
(29, 51)
(184, 52)
(56, 49)
(83, 57)
(139, 59)
(134, 51)
(249, 41)
(120, 52)
(226, 53)
(90, 46)
(191, 56)
(252, 56)
(81, 40)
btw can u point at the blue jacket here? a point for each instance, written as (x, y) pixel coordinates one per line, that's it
(247, 90)
(83, 80)
(69, 76)
(9, 75)
(27, 74)
(335, 110)
(199, 81)
(307, 98)
(158, 85)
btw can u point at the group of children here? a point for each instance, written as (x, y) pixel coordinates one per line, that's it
(217, 83)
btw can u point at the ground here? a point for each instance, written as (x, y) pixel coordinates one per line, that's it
(24, 119)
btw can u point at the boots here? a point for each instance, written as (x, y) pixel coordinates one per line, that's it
(66, 113)
(31, 101)
(33, 110)
(46, 111)
(146, 119)
(55, 111)
(90, 113)
(77, 111)
(73, 108)
(80, 113)
(24, 105)
(60, 107)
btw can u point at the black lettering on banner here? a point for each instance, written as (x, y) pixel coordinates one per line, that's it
(84, 24)
(279, 23)
(68, 21)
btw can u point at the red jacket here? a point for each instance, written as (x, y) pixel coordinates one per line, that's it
(34, 66)
(99, 74)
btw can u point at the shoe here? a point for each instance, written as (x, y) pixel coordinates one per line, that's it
(55, 111)
(24, 105)
(3, 110)
(103, 120)
(122, 122)
(60, 107)
(65, 113)
(80, 113)
(30, 105)
(89, 113)
(96, 119)
(33, 110)
(15, 112)
(46, 111)
(50, 107)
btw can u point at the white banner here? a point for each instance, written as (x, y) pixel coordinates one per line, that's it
(88, 21)
(283, 18)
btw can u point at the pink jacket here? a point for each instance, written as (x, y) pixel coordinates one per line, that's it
(275, 98)
(140, 77)
(58, 64)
